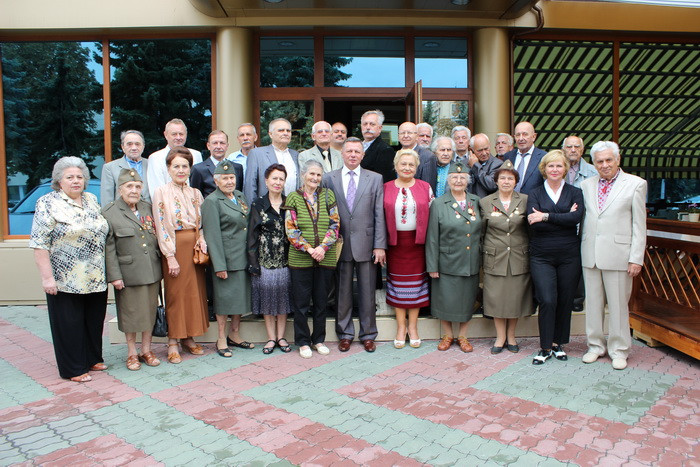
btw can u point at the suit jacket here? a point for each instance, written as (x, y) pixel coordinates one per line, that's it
(533, 177)
(452, 244)
(506, 236)
(379, 158)
(336, 161)
(131, 249)
(259, 159)
(225, 226)
(617, 234)
(110, 174)
(559, 235)
(202, 176)
(427, 169)
(363, 228)
(482, 182)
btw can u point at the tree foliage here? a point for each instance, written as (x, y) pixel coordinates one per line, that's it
(52, 100)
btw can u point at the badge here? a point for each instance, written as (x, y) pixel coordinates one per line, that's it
(495, 214)
(473, 218)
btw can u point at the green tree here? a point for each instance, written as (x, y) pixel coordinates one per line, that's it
(429, 115)
(155, 81)
(299, 113)
(55, 100)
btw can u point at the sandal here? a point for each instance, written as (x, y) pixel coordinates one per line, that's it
(225, 352)
(84, 378)
(194, 350)
(242, 345)
(269, 350)
(132, 363)
(284, 348)
(98, 367)
(174, 357)
(149, 358)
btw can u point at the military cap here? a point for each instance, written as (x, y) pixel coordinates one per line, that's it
(128, 175)
(458, 168)
(225, 167)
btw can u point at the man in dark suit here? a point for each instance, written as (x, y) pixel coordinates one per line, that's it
(202, 175)
(483, 166)
(133, 145)
(259, 159)
(378, 156)
(359, 194)
(427, 169)
(526, 158)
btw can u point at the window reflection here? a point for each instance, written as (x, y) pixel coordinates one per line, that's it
(441, 62)
(286, 62)
(364, 62)
(445, 115)
(299, 113)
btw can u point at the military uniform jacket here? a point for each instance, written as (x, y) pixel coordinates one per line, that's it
(453, 238)
(506, 240)
(131, 251)
(225, 226)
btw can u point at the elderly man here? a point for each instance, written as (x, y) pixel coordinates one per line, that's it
(579, 169)
(612, 251)
(425, 135)
(504, 144)
(483, 166)
(444, 148)
(259, 159)
(461, 136)
(322, 152)
(339, 133)
(427, 168)
(176, 135)
(378, 156)
(359, 195)
(526, 158)
(247, 136)
(202, 174)
(133, 143)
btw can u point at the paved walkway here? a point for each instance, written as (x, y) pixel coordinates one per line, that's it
(394, 407)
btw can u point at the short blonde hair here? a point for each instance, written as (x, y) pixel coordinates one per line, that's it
(553, 156)
(406, 152)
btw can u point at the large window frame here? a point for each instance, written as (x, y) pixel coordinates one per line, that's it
(106, 95)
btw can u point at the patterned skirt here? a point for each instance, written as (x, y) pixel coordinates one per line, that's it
(271, 292)
(406, 280)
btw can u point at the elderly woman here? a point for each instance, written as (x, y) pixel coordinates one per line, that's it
(225, 224)
(68, 237)
(506, 262)
(453, 256)
(444, 148)
(133, 266)
(312, 224)
(554, 211)
(177, 213)
(267, 259)
(406, 210)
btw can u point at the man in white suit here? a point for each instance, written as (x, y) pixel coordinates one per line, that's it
(133, 144)
(259, 159)
(612, 251)
(322, 152)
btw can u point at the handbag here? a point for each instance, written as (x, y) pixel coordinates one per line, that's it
(339, 240)
(160, 327)
(200, 257)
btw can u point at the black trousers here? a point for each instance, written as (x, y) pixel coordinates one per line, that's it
(77, 321)
(555, 276)
(310, 284)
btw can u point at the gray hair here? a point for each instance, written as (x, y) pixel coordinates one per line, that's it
(377, 112)
(310, 163)
(175, 121)
(602, 146)
(250, 125)
(131, 132)
(461, 128)
(217, 177)
(314, 128)
(353, 139)
(511, 141)
(471, 140)
(433, 147)
(275, 121)
(563, 143)
(469, 177)
(66, 163)
(425, 125)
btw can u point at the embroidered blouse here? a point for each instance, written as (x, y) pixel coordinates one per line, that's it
(175, 208)
(267, 240)
(75, 237)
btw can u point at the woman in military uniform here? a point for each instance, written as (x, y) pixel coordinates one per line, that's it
(452, 256)
(133, 266)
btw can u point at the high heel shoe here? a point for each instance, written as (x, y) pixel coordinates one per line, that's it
(399, 344)
(415, 343)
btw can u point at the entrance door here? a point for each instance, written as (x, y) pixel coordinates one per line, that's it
(349, 112)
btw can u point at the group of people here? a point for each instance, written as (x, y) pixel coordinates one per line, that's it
(284, 230)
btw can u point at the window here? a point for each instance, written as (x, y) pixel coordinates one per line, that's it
(286, 62)
(299, 113)
(367, 62)
(441, 62)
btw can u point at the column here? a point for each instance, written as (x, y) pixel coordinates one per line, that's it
(492, 86)
(234, 80)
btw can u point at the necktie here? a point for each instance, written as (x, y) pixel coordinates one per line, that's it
(352, 188)
(521, 171)
(327, 166)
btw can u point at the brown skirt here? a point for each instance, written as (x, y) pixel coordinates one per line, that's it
(186, 294)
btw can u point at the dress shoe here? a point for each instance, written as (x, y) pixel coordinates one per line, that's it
(369, 345)
(541, 357)
(619, 363)
(464, 344)
(344, 345)
(589, 357)
(559, 353)
(496, 350)
(445, 343)
(577, 307)
(515, 348)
